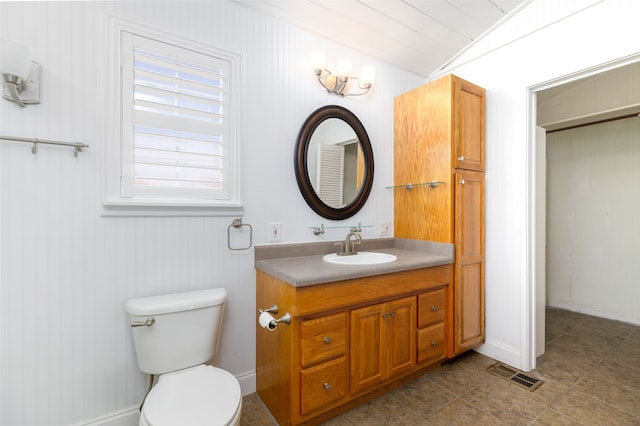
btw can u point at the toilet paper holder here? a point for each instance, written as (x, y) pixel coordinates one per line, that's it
(273, 309)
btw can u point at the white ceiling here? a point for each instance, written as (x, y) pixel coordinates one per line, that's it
(417, 35)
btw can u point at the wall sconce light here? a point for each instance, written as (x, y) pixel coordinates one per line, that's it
(20, 75)
(339, 84)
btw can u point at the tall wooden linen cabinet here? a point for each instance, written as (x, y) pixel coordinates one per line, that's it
(439, 150)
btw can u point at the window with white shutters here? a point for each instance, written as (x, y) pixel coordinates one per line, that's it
(178, 141)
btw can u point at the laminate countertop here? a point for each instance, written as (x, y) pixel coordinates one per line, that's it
(302, 265)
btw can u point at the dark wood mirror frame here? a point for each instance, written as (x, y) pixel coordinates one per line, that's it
(302, 172)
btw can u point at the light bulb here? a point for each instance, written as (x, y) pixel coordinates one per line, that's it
(14, 59)
(318, 60)
(344, 67)
(367, 75)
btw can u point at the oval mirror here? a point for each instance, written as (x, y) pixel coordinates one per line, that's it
(334, 162)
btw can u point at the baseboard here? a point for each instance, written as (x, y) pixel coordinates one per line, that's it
(247, 382)
(593, 312)
(503, 353)
(127, 417)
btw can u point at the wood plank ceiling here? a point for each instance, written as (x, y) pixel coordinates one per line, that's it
(417, 35)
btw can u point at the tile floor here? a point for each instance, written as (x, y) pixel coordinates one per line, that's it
(591, 373)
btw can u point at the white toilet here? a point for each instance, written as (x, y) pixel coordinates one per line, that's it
(174, 335)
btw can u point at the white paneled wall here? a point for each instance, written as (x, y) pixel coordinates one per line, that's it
(66, 353)
(592, 220)
(544, 41)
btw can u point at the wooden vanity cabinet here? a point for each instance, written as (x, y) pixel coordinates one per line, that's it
(348, 341)
(439, 137)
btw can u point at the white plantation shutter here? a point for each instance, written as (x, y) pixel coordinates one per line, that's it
(330, 174)
(175, 122)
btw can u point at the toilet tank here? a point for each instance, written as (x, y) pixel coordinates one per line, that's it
(185, 330)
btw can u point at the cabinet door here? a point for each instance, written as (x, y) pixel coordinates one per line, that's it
(383, 342)
(366, 347)
(469, 275)
(400, 333)
(469, 126)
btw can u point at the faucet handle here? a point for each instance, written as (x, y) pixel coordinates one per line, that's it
(339, 247)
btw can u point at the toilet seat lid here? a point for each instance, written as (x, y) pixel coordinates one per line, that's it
(201, 395)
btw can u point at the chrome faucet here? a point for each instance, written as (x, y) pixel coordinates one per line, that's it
(349, 244)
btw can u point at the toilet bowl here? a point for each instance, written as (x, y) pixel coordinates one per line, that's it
(196, 396)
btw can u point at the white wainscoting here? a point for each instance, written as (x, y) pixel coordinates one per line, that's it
(67, 355)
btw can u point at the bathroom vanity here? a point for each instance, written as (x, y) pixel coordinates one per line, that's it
(355, 331)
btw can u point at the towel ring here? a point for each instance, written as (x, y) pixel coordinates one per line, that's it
(237, 224)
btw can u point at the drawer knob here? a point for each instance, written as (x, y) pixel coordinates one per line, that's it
(434, 344)
(384, 315)
(327, 339)
(326, 386)
(434, 308)
(461, 158)
(393, 313)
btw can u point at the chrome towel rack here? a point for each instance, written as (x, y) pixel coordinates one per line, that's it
(77, 146)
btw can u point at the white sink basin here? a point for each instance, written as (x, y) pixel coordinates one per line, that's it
(362, 258)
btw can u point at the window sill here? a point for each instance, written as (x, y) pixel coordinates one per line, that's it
(114, 208)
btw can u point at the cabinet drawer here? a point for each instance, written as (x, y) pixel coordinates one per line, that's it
(430, 307)
(323, 338)
(323, 384)
(431, 343)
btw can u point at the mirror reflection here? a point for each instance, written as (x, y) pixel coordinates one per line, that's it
(335, 162)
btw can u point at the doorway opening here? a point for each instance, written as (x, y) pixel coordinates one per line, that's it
(602, 93)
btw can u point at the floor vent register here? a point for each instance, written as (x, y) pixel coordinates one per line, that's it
(511, 374)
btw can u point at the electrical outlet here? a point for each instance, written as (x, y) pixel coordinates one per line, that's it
(274, 232)
(385, 228)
